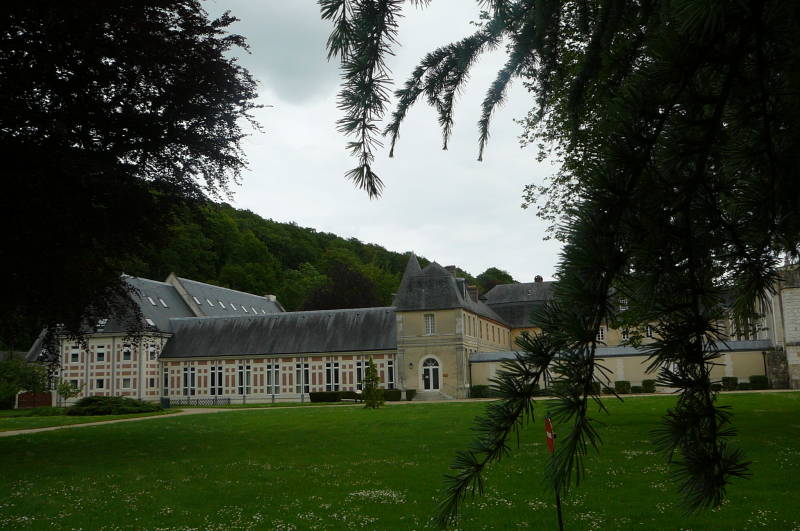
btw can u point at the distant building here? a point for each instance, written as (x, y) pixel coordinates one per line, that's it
(439, 338)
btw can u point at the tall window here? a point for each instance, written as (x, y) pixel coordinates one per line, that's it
(189, 381)
(216, 380)
(126, 352)
(626, 334)
(390, 374)
(301, 378)
(623, 304)
(273, 378)
(151, 352)
(165, 390)
(360, 368)
(244, 379)
(648, 331)
(100, 353)
(74, 355)
(332, 376)
(601, 333)
(430, 324)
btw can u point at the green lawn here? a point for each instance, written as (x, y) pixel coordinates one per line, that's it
(21, 422)
(342, 468)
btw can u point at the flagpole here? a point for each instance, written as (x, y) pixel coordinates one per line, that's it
(551, 445)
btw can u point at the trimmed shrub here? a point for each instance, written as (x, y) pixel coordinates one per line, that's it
(649, 386)
(349, 395)
(716, 387)
(608, 391)
(560, 387)
(326, 396)
(622, 387)
(392, 395)
(596, 388)
(730, 383)
(479, 391)
(110, 405)
(744, 386)
(636, 389)
(759, 381)
(410, 393)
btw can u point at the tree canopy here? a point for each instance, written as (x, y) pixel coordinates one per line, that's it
(111, 114)
(676, 125)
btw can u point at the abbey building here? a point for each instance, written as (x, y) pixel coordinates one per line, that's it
(439, 338)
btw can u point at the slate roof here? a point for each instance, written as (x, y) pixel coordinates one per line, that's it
(623, 351)
(515, 302)
(149, 292)
(232, 302)
(361, 329)
(434, 288)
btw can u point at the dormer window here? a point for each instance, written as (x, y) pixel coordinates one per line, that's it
(209, 302)
(164, 304)
(245, 309)
(233, 306)
(196, 300)
(150, 322)
(254, 310)
(221, 305)
(151, 301)
(102, 323)
(623, 305)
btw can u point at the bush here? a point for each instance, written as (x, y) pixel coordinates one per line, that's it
(649, 386)
(716, 387)
(759, 381)
(110, 405)
(608, 391)
(622, 387)
(729, 383)
(636, 389)
(349, 395)
(392, 395)
(596, 388)
(744, 386)
(479, 391)
(410, 394)
(560, 388)
(325, 396)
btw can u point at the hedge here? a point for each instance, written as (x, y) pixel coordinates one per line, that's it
(730, 383)
(716, 387)
(410, 394)
(326, 396)
(744, 386)
(110, 405)
(596, 388)
(622, 387)
(636, 389)
(479, 391)
(392, 395)
(759, 381)
(649, 386)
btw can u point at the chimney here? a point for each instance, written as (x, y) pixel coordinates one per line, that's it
(451, 269)
(270, 298)
(473, 292)
(538, 278)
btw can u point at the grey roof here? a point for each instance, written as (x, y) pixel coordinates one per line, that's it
(522, 292)
(434, 288)
(230, 299)
(361, 329)
(149, 292)
(623, 351)
(517, 314)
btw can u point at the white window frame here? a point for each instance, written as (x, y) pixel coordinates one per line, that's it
(209, 302)
(100, 383)
(197, 301)
(361, 367)
(601, 333)
(332, 376)
(430, 324)
(216, 387)
(152, 352)
(153, 302)
(100, 351)
(273, 379)
(126, 383)
(127, 350)
(189, 381)
(301, 376)
(221, 304)
(390, 374)
(244, 379)
(163, 303)
(165, 382)
(75, 354)
(648, 331)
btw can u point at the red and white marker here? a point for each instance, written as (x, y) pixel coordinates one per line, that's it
(551, 437)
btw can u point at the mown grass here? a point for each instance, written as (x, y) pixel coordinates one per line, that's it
(346, 468)
(9, 422)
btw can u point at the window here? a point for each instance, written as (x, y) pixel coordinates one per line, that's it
(601, 333)
(126, 383)
(233, 306)
(101, 323)
(648, 331)
(626, 334)
(126, 352)
(74, 355)
(151, 383)
(430, 324)
(209, 302)
(390, 374)
(245, 309)
(493, 339)
(332, 376)
(151, 301)
(244, 379)
(301, 378)
(152, 353)
(216, 380)
(100, 383)
(164, 304)
(73, 384)
(254, 310)
(188, 381)
(100, 353)
(165, 390)
(198, 301)
(150, 322)
(623, 304)
(221, 305)
(273, 379)
(361, 366)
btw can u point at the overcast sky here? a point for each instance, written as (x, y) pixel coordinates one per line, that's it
(443, 205)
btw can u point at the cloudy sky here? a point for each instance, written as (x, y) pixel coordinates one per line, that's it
(443, 205)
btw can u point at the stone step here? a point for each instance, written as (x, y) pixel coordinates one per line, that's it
(423, 396)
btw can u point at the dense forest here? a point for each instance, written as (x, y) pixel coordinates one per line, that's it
(306, 269)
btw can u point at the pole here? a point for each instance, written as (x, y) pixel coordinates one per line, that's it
(551, 446)
(558, 508)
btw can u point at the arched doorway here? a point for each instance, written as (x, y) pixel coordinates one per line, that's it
(430, 375)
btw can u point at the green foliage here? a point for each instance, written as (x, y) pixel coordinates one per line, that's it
(18, 375)
(637, 389)
(716, 387)
(492, 277)
(392, 395)
(479, 391)
(325, 396)
(110, 405)
(596, 388)
(410, 394)
(46, 411)
(372, 392)
(622, 387)
(759, 381)
(66, 390)
(744, 386)
(730, 383)
(649, 386)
